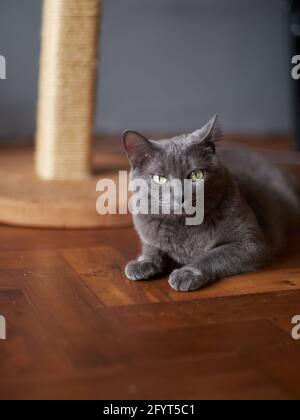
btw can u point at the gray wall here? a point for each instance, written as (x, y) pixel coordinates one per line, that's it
(166, 65)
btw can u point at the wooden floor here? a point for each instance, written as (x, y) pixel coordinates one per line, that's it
(78, 329)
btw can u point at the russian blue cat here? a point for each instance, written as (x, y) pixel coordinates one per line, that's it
(249, 206)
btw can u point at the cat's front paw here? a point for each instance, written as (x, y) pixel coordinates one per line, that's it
(140, 270)
(186, 279)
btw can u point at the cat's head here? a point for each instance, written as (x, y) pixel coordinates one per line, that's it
(191, 156)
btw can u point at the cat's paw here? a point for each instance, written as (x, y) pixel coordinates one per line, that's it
(186, 279)
(140, 270)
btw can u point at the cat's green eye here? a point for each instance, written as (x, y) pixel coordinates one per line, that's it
(197, 175)
(158, 179)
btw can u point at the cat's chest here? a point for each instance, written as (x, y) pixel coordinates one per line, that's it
(182, 243)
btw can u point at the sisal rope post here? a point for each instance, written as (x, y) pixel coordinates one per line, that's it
(67, 88)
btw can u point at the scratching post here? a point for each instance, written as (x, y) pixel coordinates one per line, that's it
(55, 186)
(67, 86)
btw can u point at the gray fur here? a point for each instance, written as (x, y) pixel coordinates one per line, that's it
(250, 205)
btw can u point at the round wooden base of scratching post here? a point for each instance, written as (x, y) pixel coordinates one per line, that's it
(26, 200)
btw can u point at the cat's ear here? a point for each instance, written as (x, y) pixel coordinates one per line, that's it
(209, 134)
(137, 147)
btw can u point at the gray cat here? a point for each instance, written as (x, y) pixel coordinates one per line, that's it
(249, 207)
